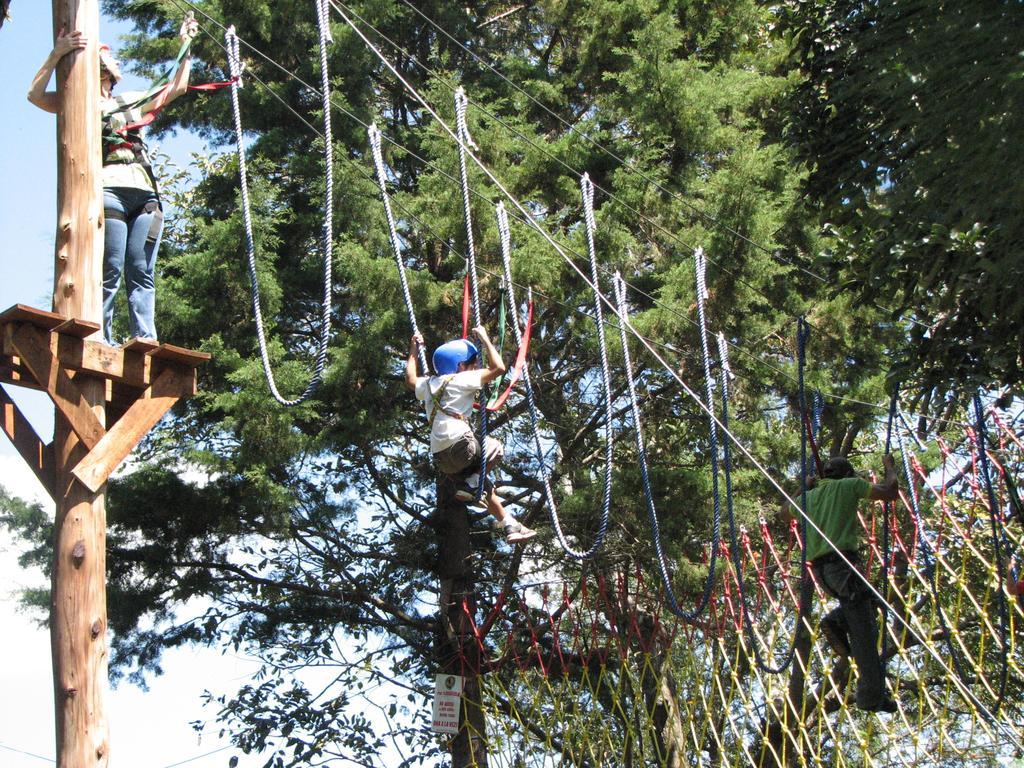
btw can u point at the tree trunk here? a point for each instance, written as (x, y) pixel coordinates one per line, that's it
(78, 620)
(781, 744)
(458, 649)
(662, 702)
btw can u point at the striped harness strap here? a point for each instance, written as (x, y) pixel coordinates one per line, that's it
(436, 403)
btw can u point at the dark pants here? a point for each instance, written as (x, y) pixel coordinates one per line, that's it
(855, 620)
(463, 458)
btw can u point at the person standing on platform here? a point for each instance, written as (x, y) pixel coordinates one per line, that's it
(132, 211)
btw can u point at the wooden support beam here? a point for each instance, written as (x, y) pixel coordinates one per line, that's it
(33, 347)
(132, 368)
(37, 454)
(13, 372)
(118, 442)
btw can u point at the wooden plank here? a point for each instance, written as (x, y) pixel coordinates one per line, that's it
(80, 329)
(107, 455)
(189, 357)
(37, 454)
(23, 313)
(141, 345)
(34, 349)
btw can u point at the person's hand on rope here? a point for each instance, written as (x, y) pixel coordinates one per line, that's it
(481, 333)
(189, 28)
(411, 374)
(495, 365)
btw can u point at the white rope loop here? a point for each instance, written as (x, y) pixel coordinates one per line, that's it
(235, 68)
(505, 238)
(465, 142)
(531, 403)
(587, 191)
(378, 162)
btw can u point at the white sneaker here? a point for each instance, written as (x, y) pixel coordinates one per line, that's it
(517, 533)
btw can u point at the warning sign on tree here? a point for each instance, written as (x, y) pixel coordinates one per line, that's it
(447, 700)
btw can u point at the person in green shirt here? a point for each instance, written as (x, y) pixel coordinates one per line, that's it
(850, 629)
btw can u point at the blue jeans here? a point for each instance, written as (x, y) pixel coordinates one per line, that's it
(133, 223)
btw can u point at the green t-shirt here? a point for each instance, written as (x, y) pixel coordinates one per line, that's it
(832, 505)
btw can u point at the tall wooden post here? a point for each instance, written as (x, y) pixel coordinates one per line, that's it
(78, 618)
(106, 400)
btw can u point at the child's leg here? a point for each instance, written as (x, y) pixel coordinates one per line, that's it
(495, 507)
(495, 453)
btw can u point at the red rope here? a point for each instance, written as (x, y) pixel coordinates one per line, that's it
(813, 444)
(160, 97)
(517, 369)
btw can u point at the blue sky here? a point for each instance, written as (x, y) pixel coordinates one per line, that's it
(139, 720)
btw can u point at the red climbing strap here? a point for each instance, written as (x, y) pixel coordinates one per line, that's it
(159, 97)
(813, 444)
(517, 369)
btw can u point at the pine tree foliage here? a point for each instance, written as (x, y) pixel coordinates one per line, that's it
(312, 537)
(907, 115)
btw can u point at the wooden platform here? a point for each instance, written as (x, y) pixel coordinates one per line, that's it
(47, 352)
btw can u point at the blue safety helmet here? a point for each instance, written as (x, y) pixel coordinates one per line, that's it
(448, 356)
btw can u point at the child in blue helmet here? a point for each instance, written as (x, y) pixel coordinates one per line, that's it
(448, 400)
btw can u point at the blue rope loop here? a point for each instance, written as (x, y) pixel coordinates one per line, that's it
(235, 69)
(531, 403)
(924, 547)
(734, 546)
(378, 162)
(587, 192)
(622, 310)
(998, 537)
(803, 335)
(887, 513)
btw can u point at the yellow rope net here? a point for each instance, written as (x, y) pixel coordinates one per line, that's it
(591, 671)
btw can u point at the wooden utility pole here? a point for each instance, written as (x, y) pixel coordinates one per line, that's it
(78, 608)
(106, 400)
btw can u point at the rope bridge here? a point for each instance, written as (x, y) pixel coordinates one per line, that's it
(595, 669)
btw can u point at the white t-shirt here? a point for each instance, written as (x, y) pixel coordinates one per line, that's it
(458, 398)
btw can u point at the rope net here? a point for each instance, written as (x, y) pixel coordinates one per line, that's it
(595, 670)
